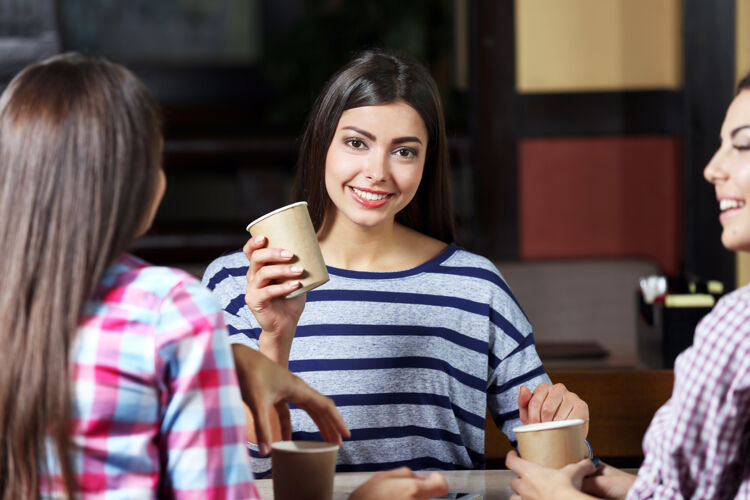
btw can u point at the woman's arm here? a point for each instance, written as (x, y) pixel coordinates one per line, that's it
(267, 386)
(276, 315)
(202, 420)
(401, 484)
(540, 483)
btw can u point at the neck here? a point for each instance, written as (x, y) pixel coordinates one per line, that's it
(350, 246)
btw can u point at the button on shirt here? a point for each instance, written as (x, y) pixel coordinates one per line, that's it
(156, 403)
(698, 444)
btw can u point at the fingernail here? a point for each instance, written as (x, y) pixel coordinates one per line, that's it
(293, 284)
(259, 239)
(297, 269)
(595, 461)
(265, 448)
(286, 253)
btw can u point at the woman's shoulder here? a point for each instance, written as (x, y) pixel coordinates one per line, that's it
(732, 306)
(131, 279)
(224, 269)
(467, 258)
(233, 259)
(728, 323)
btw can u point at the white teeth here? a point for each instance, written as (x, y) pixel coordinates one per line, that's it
(368, 195)
(726, 204)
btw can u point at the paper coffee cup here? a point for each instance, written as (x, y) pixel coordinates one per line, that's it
(290, 228)
(552, 444)
(303, 470)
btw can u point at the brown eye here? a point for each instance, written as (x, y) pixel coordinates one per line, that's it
(406, 152)
(355, 143)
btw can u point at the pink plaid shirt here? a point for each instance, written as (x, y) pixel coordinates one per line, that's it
(698, 444)
(156, 405)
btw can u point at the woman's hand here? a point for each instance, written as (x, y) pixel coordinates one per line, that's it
(276, 315)
(608, 482)
(539, 483)
(551, 402)
(265, 384)
(399, 484)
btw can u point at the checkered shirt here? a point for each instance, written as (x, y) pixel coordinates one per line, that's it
(698, 444)
(156, 404)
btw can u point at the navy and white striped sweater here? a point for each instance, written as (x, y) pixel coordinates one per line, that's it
(411, 358)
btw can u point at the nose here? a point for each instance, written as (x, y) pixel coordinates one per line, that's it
(377, 167)
(715, 171)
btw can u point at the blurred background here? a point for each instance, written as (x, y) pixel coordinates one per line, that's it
(578, 129)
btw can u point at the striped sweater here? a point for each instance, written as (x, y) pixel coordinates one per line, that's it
(411, 358)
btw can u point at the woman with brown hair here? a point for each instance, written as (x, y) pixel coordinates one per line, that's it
(413, 337)
(698, 443)
(116, 377)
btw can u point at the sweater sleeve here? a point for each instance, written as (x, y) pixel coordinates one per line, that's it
(513, 360)
(226, 277)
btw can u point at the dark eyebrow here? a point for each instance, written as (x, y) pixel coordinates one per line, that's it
(401, 140)
(360, 131)
(738, 130)
(398, 140)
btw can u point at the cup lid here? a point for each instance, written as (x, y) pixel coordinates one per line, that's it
(269, 214)
(556, 424)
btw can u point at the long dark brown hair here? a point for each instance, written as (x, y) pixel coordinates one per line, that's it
(744, 83)
(379, 77)
(80, 149)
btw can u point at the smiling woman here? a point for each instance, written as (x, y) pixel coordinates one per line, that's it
(413, 336)
(729, 172)
(698, 442)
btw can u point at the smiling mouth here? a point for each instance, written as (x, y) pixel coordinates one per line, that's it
(726, 204)
(369, 196)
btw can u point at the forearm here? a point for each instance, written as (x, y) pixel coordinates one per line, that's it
(276, 347)
(278, 351)
(243, 358)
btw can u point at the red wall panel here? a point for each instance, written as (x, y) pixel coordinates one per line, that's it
(601, 197)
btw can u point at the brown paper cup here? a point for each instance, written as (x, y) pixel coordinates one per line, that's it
(552, 444)
(290, 228)
(303, 470)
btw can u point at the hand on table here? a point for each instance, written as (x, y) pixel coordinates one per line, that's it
(551, 402)
(608, 482)
(276, 315)
(264, 383)
(401, 484)
(539, 483)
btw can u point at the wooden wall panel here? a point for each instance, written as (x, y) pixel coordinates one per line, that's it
(594, 45)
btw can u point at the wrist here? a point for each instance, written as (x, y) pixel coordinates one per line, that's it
(275, 348)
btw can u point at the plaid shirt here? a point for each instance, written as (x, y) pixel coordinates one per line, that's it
(156, 404)
(698, 444)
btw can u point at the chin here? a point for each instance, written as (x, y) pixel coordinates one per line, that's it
(734, 244)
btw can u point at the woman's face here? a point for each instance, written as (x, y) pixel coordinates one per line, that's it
(375, 161)
(729, 172)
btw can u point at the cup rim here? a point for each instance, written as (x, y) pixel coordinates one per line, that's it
(307, 446)
(269, 214)
(556, 424)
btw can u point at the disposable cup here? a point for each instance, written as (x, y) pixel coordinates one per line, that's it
(552, 444)
(303, 470)
(290, 228)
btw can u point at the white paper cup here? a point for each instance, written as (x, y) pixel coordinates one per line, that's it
(552, 444)
(303, 470)
(290, 228)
